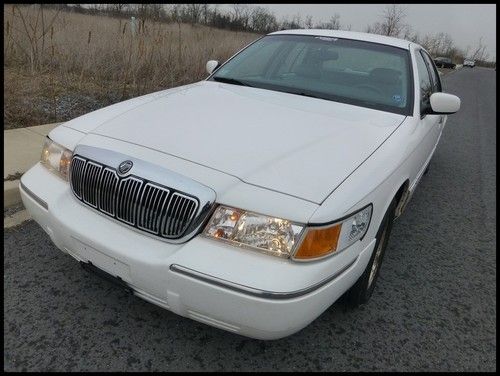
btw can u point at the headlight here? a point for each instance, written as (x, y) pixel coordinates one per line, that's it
(56, 158)
(268, 234)
(284, 238)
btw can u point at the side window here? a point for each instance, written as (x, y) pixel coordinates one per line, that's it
(425, 83)
(436, 82)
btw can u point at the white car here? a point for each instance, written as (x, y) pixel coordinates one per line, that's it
(469, 63)
(250, 201)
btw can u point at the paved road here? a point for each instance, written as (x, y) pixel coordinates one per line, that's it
(434, 307)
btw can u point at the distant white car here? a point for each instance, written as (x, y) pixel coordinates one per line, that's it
(469, 63)
(252, 200)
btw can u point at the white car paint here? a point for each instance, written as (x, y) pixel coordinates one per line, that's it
(304, 159)
(274, 156)
(445, 103)
(469, 63)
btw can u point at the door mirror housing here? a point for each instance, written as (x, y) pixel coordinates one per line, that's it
(211, 66)
(444, 104)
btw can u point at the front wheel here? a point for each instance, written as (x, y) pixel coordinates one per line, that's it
(362, 290)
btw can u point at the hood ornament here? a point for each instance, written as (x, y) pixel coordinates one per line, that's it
(125, 167)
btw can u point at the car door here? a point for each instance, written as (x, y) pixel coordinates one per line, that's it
(431, 125)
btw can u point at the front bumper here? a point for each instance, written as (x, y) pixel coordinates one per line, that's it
(238, 290)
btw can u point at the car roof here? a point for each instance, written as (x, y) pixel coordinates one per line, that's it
(374, 38)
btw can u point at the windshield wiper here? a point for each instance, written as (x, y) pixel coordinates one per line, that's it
(233, 81)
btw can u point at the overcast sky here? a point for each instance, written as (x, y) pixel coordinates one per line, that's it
(464, 22)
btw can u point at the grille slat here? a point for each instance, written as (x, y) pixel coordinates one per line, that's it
(172, 208)
(77, 166)
(108, 185)
(137, 202)
(181, 213)
(152, 202)
(142, 208)
(127, 197)
(91, 175)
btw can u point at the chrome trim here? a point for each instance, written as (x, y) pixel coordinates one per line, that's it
(90, 192)
(265, 294)
(37, 199)
(77, 166)
(193, 200)
(154, 196)
(126, 207)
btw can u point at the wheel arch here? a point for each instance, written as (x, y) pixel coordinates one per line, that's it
(401, 198)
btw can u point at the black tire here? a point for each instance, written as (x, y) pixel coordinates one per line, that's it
(362, 290)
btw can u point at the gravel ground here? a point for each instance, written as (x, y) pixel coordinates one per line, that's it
(12, 209)
(434, 307)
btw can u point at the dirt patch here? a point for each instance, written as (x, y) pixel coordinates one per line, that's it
(49, 98)
(15, 176)
(11, 210)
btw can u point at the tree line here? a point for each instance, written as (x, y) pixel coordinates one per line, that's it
(258, 19)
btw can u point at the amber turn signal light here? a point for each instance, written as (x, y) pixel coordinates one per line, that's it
(318, 243)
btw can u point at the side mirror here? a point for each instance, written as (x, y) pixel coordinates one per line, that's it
(211, 66)
(443, 103)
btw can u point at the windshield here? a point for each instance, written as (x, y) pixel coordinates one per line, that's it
(342, 70)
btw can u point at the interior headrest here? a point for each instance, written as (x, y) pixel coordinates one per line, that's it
(323, 54)
(386, 75)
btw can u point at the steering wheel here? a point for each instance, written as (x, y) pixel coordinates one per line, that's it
(369, 87)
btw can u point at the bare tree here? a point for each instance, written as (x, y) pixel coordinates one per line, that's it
(34, 29)
(150, 11)
(294, 23)
(332, 24)
(479, 53)
(194, 12)
(117, 8)
(242, 14)
(440, 44)
(205, 10)
(392, 23)
(262, 20)
(308, 22)
(409, 34)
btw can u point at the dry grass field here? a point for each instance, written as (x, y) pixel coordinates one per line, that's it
(59, 65)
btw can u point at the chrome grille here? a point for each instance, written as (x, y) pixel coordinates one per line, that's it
(77, 168)
(109, 184)
(135, 201)
(179, 215)
(92, 174)
(153, 197)
(127, 199)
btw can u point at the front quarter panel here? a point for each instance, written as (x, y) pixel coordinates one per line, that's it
(377, 180)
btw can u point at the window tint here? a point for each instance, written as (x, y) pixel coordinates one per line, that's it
(425, 83)
(436, 82)
(258, 61)
(292, 58)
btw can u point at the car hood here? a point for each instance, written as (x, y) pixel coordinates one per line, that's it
(300, 146)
